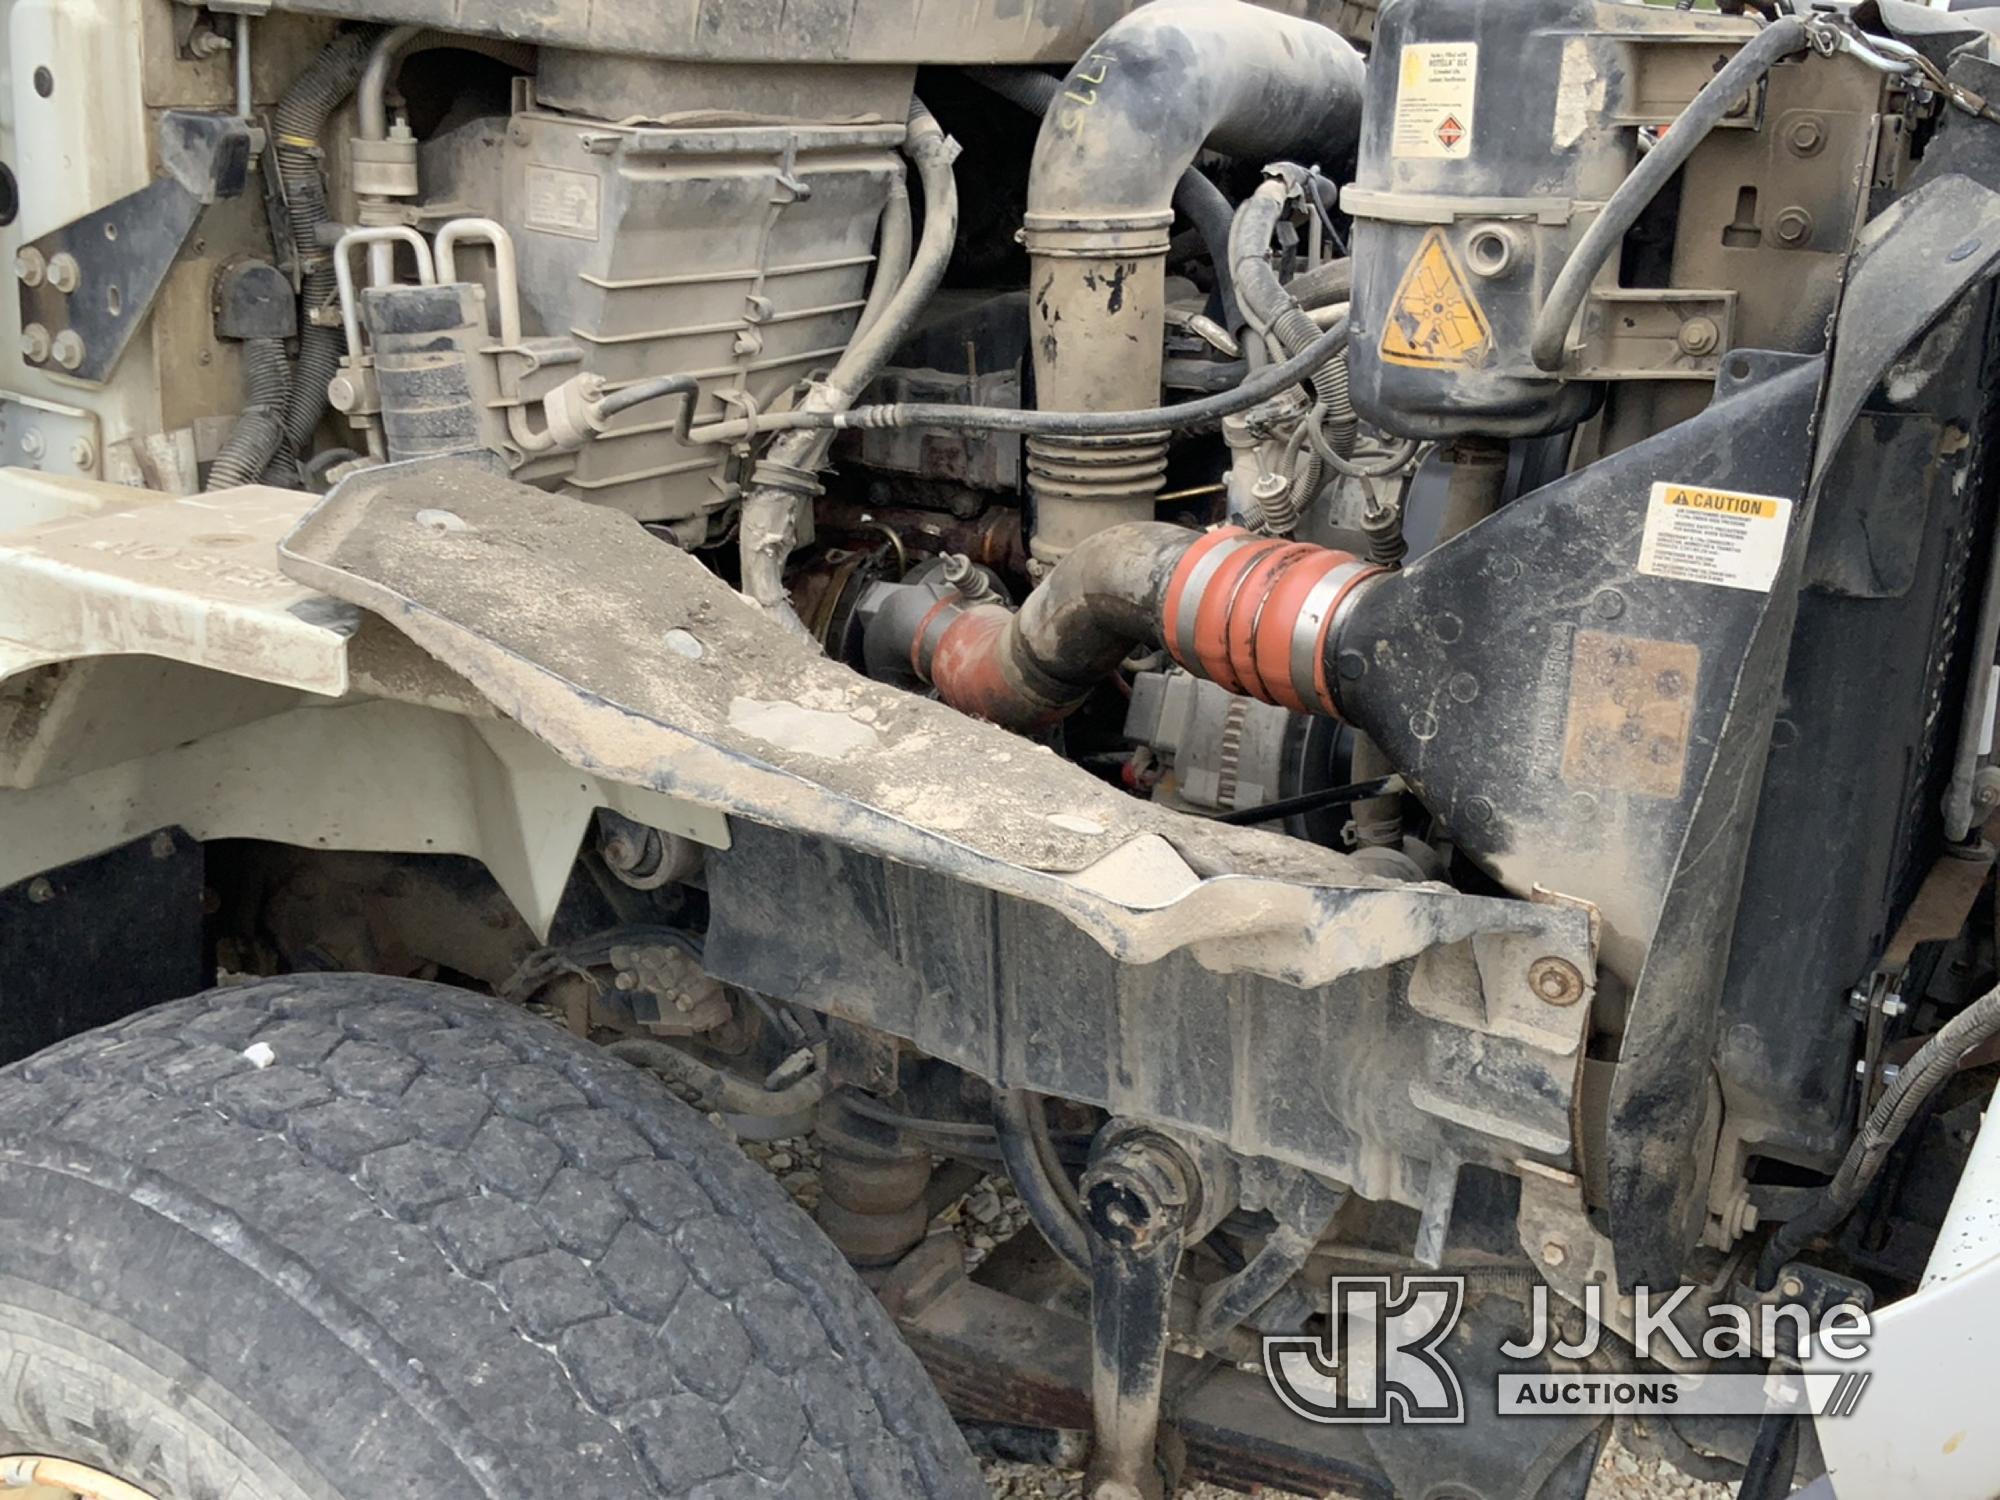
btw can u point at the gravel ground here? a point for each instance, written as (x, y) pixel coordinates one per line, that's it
(990, 1213)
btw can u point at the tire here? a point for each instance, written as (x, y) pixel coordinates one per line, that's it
(437, 1248)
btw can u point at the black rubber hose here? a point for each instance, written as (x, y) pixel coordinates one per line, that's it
(1262, 386)
(296, 127)
(1621, 211)
(1019, 1122)
(1920, 1077)
(710, 1088)
(640, 391)
(1305, 802)
(1272, 307)
(257, 434)
(1196, 198)
(1326, 284)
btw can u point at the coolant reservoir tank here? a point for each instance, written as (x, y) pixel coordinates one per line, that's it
(1486, 142)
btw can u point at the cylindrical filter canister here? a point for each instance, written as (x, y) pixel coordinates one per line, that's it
(1488, 139)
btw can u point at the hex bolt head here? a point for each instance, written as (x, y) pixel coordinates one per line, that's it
(35, 343)
(1699, 336)
(1795, 226)
(1556, 980)
(64, 273)
(39, 890)
(83, 454)
(68, 349)
(1554, 1252)
(30, 266)
(1806, 137)
(32, 444)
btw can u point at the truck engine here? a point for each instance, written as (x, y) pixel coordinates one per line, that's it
(1343, 645)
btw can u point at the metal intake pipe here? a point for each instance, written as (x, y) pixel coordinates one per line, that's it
(1167, 80)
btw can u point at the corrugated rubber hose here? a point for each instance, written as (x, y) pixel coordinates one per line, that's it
(296, 127)
(258, 433)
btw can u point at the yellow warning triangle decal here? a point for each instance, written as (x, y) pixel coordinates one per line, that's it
(1435, 320)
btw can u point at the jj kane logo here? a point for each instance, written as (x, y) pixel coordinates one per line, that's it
(1386, 1357)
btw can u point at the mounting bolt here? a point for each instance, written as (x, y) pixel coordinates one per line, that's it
(1554, 1252)
(29, 265)
(34, 343)
(64, 273)
(39, 890)
(1894, 1005)
(1791, 1286)
(67, 349)
(32, 444)
(1699, 336)
(162, 845)
(1556, 980)
(83, 454)
(1795, 226)
(1806, 137)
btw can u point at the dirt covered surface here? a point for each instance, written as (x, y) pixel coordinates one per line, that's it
(988, 1215)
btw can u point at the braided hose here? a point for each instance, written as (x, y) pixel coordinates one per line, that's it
(256, 435)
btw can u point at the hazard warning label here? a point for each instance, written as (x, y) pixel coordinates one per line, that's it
(1435, 82)
(1435, 320)
(1714, 536)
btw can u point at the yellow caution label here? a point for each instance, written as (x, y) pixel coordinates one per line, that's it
(1722, 537)
(1723, 502)
(1435, 321)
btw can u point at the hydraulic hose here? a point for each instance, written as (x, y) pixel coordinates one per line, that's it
(256, 435)
(296, 127)
(1607, 231)
(1260, 387)
(1920, 1078)
(768, 528)
(1022, 1128)
(1196, 198)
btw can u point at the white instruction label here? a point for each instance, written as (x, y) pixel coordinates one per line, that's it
(561, 202)
(1714, 536)
(1434, 100)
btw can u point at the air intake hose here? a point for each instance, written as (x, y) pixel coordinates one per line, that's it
(1167, 80)
(1257, 615)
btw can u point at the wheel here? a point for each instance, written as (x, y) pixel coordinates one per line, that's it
(433, 1247)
